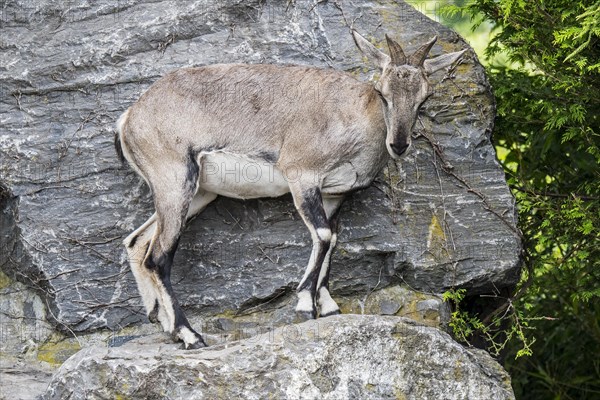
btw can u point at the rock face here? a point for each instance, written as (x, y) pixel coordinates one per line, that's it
(343, 357)
(442, 217)
(432, 221)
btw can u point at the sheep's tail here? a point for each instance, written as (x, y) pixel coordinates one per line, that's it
(119, 136)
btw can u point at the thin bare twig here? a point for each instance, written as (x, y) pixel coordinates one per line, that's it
(267, 256)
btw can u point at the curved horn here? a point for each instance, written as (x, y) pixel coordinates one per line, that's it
(396, 53)
(416, 60)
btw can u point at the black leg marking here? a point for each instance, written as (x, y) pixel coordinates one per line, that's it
(329, 314)
(334, 219)
(163, 267)
(182, 324)
(327, 305)
(333, 223)
(193, 169)
(311, 280)
(119, 148)
(133, 241)
(312, 208)
(163, 262)
(172, 203)
(153, 316)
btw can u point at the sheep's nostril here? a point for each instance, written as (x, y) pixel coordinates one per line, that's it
(399, 149)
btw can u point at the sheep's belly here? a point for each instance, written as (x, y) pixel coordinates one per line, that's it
(241, 177)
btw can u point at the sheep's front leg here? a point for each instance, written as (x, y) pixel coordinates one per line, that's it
(328, 306)
(309, 203)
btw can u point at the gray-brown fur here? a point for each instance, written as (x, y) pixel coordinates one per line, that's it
(317, 133)
(300, 114)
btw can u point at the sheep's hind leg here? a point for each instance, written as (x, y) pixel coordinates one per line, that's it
(176, 199)
(137, 244)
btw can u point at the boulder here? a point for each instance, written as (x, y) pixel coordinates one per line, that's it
(442, 217)
(342, 357)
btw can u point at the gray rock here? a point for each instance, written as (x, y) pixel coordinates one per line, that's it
(23, 319)
(70, 68)
(342, 357)
(429, 307)
(23, 381)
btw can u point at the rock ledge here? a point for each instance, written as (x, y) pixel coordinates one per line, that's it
(347, 356)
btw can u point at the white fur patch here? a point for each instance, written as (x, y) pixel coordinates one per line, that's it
(240, 176)
(311, 263)
(199, 202)
(144, 283)
(326, 303)
(163, 318)
(167, 306)
(188, 337)
(149, 285)
(143, 277)
(305, 301)
(324, 234)
(327, 260)
(333, 242)
(148, 293)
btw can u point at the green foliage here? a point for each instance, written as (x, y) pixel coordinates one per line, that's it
(497, 335)
(463, 324)
(548, 135)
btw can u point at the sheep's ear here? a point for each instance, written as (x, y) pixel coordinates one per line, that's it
(435, 64)
(375, 55)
